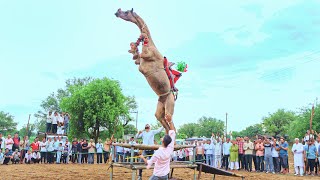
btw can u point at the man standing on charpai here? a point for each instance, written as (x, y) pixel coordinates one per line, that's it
(147, 139)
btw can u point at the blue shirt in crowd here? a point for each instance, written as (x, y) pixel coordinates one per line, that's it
(282, 151)
(311, 151)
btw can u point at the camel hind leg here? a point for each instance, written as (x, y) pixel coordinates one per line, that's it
(160, 113)
(169, 104)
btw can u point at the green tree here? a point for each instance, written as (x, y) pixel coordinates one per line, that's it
(251, 131)
(7, 123)
(209, 125)
(98, 104)
(130, 129)
(298, 127)
(31, 130)
(189, 129)
(275, 124)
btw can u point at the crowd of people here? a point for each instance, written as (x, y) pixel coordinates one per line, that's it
(57, 123)
(263, 154)
(52, 150)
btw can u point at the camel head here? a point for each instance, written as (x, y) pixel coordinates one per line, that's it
(127, 15)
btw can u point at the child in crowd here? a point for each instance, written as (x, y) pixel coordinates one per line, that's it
(65, 155)
(60, 130)
(59, 153)
(28, 157)
(16, 157)
(36, 157)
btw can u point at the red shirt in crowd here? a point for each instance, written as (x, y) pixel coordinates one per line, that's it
(35, 146)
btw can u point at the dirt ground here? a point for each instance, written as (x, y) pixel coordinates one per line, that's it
(97, 172)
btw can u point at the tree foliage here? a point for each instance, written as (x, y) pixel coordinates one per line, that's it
(189, 129)
(209, 125)
(31, 130)
(250, 131)
(99, 104)
(298, 127)
(275, 123)
(7, 123)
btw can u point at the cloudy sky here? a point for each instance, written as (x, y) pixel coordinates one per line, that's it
(246, 58)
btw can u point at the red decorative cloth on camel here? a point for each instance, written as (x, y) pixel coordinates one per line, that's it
(173, 75)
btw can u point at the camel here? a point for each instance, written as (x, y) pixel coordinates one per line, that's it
(151, 65)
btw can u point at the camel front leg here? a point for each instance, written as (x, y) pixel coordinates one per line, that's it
(160, 113)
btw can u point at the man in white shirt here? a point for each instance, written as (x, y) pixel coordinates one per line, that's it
(49, 122)
(147, 139)
(217, 153)
(55, 120)
(209, 147)
(298, 152)
(9, 143)
(43, 150)
(162, 156)
(226, 152)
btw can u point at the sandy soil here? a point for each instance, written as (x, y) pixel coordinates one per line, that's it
(75, 171)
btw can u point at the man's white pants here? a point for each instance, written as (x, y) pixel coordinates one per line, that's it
(217, 162)
(297, 170)
(234, 165)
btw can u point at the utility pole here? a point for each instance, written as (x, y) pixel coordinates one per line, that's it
(27, 129)
(226, 124)
(137, 119)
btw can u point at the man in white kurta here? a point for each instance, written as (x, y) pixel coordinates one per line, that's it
(297, 150)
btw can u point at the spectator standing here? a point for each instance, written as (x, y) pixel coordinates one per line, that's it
(49, 122)
(24, 146)
(84, 151)
(311, 156)
(147, 139)
(209, 148)
(43, 150)
(106, 149)
(74, 150)
(217, 153)
(9, 143)
(260, 155)
(284, 155)
(162, 156)
(80, 150)
(234, 156)
(268, 156)
(248, 151)
(1, 156)
(200, 152)
(66, 151)
(55, 120)
(99, 148)
(50, 150)
(91, 152)
(275, 155)
(16, 142)
(226, 152)
(240, 144)
(66, 123)
(2, 142)
(35, 145)
(59, 153)
(298, 153)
